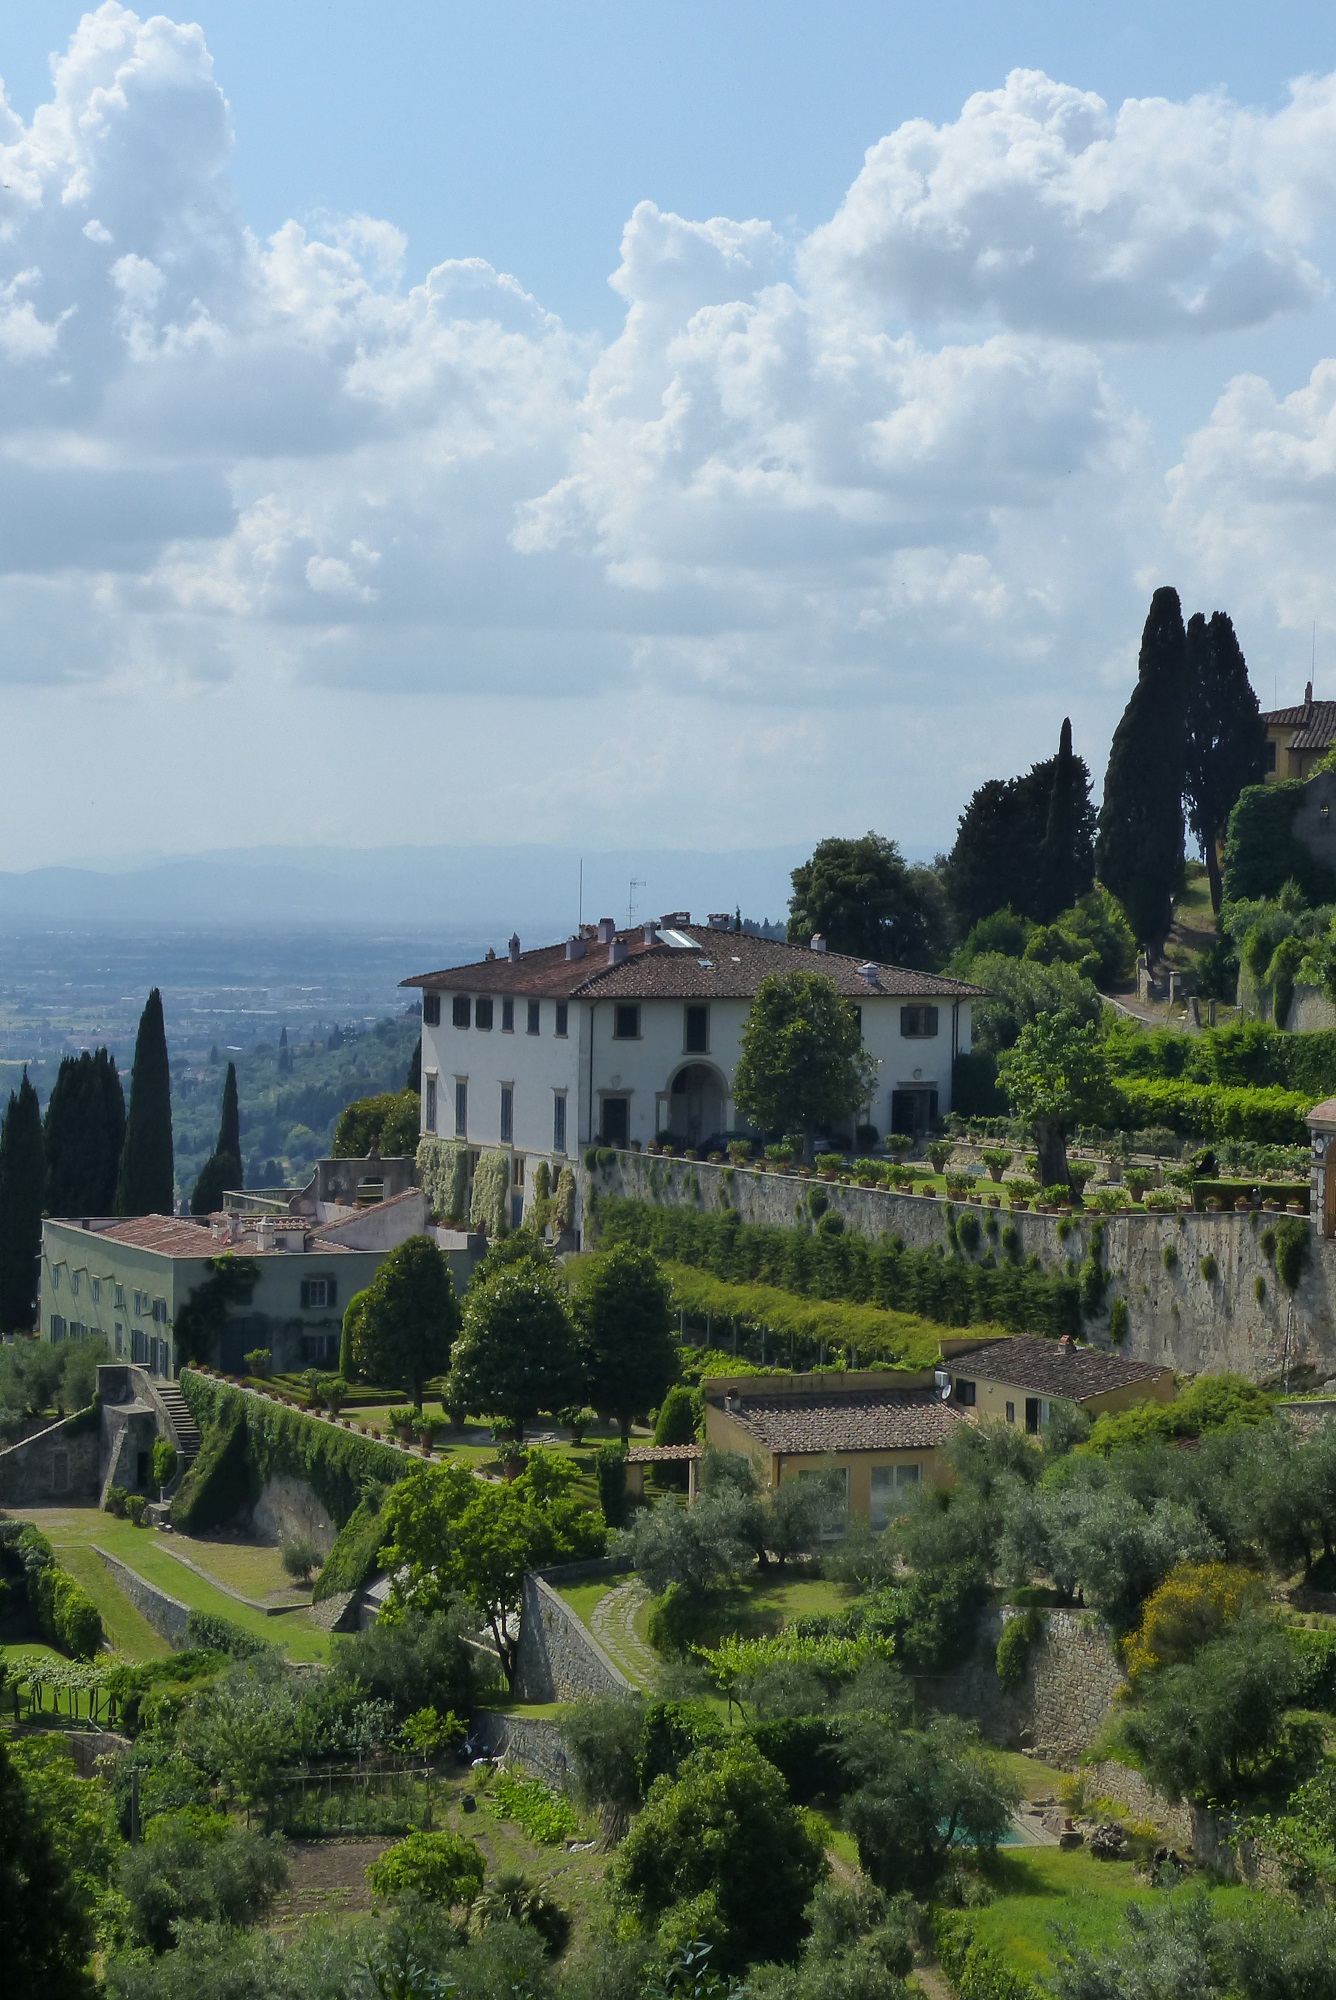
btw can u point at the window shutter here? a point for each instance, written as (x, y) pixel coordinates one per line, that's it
(306, 1292)
(331, 1291)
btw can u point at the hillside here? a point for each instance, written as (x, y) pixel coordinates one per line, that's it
(287, 1116)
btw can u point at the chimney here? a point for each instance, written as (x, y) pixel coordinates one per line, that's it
(651, 932)
(672, 918)
(513, 948)
(607, 929)
(618, 949)
(1308, 694)
(575, 947)
(869, 972)
(720, 921)
(818, 943)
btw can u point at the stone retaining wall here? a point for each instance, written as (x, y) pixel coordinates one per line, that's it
(1178, 1317)
(558, 1658)
(52, 1467)
(165, 1614)
(531, 1740)
(1060, 1708)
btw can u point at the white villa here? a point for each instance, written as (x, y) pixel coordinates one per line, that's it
(624, 1037)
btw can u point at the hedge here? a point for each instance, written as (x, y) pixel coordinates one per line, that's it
(66, 1615)
(248, 1440)
(207, 1630)
(860, 1333)
(948, 1290)
(1247, 1052)
(352, 1560)
(1266, 1114)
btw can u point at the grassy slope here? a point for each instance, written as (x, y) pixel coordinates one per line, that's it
(73, 1532)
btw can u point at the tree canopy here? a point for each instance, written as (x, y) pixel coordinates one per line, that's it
(1055, 1075)
(516, 1353)
(222, 1170)
(1226, 737)
(1024, 844)
(146, 1183)
(1139, 849)
(803, 1066)
(625, 1329)
(22, 1185)
(864, 898)
(393, 1120)
(84, 1131)
(407, 1319)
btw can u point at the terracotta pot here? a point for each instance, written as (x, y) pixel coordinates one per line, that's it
(994, 1201)
(1295, 1208)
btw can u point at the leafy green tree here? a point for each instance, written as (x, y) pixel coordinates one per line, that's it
(1217, 1727)
(1021, 990)
(57, 1844)
(22, 1186)
(866, 900)
(921, 1796)
(408, 1319)
(1065, 864)
(450, 1535)
(420, 1659)
(516, 1354)
(719, 1854)
(803, 1065)
(430, 1867)
(222, 1170)
(195, 1865)
(624, 1327)
(83, 1132)
(1226, 737)
(1139, 849)
(145, 1183)
(1055, 1076)
(1187, 1946)
(393, 1119)
(700, 1548)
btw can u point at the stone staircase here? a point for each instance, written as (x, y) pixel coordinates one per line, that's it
(184, 1429)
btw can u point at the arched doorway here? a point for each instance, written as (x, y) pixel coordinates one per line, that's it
(696, 1103)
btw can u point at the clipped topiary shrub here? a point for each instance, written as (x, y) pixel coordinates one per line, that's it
(1019, 1636)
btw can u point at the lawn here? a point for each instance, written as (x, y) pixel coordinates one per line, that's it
(73, 1532)
(253, 1568)
(1040, 1887)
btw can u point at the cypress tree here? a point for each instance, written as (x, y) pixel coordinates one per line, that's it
(284, 1054)
(1066, 863)
(222, 1170)
(1226, 737)
(83, 1134)
(1139, 850)
(146, 1182)
(413, 1081)
(22, 1194)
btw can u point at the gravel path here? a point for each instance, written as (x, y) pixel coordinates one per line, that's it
(612, 1622)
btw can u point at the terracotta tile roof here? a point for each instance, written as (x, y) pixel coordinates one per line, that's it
(662, 1454)
(1314, 722)
(896, 1420)
(1050, 1367)
(1325, 1112)
(716, 965)
(185, 1236)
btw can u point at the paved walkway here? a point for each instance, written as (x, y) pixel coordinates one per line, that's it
(612, 1622)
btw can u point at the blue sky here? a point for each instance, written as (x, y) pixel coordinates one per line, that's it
(343, 497)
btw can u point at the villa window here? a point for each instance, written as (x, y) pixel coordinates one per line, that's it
(697, 1035)
(459, 1010)
(318, 1294)
(57, 1325)
(482, 1013)
(429, 1105)
(507, 1113)
(461, 1106)
(918, 1024)
(507, 1017)
(563, 1012)
(74, 1284)
(535, 1016)
(431, 1010)
(118, 1296)
(95, 1286)
(559, 1122)
(626, 1024)
(964, 1392)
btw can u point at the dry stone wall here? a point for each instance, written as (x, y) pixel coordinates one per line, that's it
(1178, 1316)
(558, 1658)
(59, 1464)
(164, 1613)
(1060, 1708)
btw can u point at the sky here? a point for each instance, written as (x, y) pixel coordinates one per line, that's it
(703, 427)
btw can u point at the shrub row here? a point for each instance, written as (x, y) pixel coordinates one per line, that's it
(860, 1333)
(248, 1440)
(944, 1289)
(1266, 1114)
(66, 1615)
(205, 1629)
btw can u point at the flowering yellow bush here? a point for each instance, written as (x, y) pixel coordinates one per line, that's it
(1195, 1603)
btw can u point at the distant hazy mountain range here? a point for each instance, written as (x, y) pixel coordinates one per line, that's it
(534, 890)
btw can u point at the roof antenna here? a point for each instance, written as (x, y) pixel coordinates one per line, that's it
(580, 916)
(631, 887)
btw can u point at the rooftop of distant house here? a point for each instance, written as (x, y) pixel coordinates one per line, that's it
(862, 1419)
(1050, 1367)
(672, 958)
(1314, 722)
(204, 1235)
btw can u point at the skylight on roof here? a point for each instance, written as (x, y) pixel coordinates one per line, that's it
(678, 940)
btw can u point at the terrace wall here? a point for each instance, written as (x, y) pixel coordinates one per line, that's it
(56, 1466)
(1176, 1317)
(558, 1658)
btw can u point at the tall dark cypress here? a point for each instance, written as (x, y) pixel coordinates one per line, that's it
(222, 1170)
(22, 1196)
(83, 1133)
(146, 1182)
(284, 1054)
(1226, 737)
(1139, 849)
(1066, 863)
